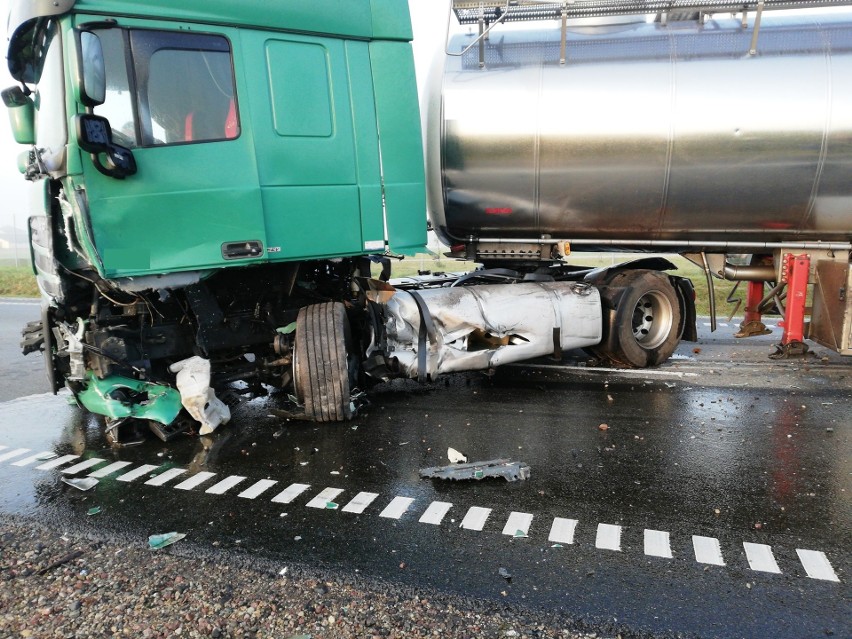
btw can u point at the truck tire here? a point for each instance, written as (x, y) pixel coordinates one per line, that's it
(320, 365)
(647, 320)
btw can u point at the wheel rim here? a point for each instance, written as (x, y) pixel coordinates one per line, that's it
(652, 320)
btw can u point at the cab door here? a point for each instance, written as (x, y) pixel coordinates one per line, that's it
(174, 99)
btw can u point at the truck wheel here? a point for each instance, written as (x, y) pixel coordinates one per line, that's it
(320, 365)
(647, 322)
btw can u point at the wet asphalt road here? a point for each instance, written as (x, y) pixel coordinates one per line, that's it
(721, 444)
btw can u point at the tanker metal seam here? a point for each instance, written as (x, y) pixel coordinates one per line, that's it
(823, 152)
(667, 172)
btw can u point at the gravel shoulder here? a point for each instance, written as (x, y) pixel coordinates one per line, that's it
(74, 585)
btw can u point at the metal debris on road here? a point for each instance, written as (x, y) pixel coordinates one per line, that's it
(494, 468)
(505, 574)
(155, 542)
(83, 483)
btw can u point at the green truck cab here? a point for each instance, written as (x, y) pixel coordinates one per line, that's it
(213, 178)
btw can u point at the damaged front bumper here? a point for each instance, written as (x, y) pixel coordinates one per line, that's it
(120, 397)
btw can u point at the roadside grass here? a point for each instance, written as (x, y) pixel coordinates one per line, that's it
(17, 281)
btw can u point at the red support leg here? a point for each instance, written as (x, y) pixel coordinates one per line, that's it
(796, 274)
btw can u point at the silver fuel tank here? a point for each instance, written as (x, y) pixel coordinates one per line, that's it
(648, 132)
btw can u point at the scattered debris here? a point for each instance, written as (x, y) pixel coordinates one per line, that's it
(505, 574)
(200, 401)
(297, 538)
(96, 510)
(71, 556)
(330, 505)
(455, 456)
(283, 572)
(335, 472)
(83, 483)
(156, 542)
(603, 427)
(45, 456)
(520, 534)
(505, 468)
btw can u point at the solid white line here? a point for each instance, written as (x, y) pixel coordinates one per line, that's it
(562, 531)
(290, 493)
(816, 564)
(626, 372)
(657, 544)
(109, 470)
(608, 537)
(321, 500)
(517, 522)
(707, 550)
(54, 463)
(162, 478)
(475, 518)
(195, 480)
(258, 488)
(760, 557)
(225, 485)
(3, 447)
(435, 513)
(13, 453)
(83, 465)
(359, 504)
(396, 508)
(26, 461)
(137, 473)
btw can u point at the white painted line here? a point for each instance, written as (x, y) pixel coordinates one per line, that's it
(109, 470)
(360, 503)
(475, 518)
(143, 470)
(657, 544)
(55, 463)
(291, 492)
(608, 537)
(707, 550)
(321, 500)
(225, 485)
(258, 488)
(26, 461)
(760, 558)
(13, 453)
(162, 478)
(83, 465)
(396, 508)
(435, 513)
(816, 564)
(562, 531)
(518, 522)
(195, 481)
(3, 447)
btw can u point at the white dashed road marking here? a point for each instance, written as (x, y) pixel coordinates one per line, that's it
(562, 531)
(136, 473)
(195, 481)
(359, 504)
(83, 465)
(707, 550)
(816, 565)
(162, 478)
(327, 495)
(475, 518)
(290, 493)
(13, 453)
(657, 544)
(396, 508)
(760, 558)
(26, 461)
(518, 523)
(114, 467)
(609, 537)
(257, 489)
(56, 463)
(435, 513)
(225, 485)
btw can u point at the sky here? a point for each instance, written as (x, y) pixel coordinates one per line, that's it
(428, 18)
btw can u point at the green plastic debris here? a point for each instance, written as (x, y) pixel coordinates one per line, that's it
(286, 330)
(156, 542)
(478, 474)
(520, 534)
(330, 505)
(119, 397)
(94, 511)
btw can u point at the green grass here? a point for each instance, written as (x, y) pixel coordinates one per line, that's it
(17, 281)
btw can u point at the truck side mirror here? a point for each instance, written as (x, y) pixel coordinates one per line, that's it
(94, 135)
(91, 71)
(21, 114)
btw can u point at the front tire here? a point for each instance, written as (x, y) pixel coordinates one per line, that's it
(320, 366)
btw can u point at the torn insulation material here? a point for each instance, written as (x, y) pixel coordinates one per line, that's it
(200, 401)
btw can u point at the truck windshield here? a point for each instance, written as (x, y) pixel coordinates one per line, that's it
(168, 87)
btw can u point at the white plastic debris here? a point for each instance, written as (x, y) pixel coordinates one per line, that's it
(83, 483)
(200, 401)
(455, 456)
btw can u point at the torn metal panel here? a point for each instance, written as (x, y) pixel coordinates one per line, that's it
(494, 468)
(479, 327)
(200, 401)
(120, 397)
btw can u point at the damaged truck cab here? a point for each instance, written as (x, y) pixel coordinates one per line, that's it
(208, 179)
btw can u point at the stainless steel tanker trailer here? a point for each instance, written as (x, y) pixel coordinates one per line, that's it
(190, 235)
